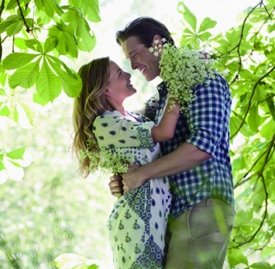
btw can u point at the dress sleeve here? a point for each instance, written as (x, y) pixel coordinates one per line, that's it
(114, 131)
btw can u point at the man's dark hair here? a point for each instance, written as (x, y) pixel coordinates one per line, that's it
(144, 29)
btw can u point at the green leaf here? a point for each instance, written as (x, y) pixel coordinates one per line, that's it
(4, 111)
(34, 45)
(50, 44)
(233, 37)
(2, 166)
(15, 28)
(206, 24)
(13, 112)
(205, 36)
(25, 76)
(71, 84)
(268, 129)
(12, 4)
(90, 8)
(260, 265)
(235, 257)
(16, 154)
(254, 119)
(189, 17)
(65, 39)
(235, 123)
(17, 59)
(239, 163)
(37, 99)
(187, 32)
(48, 85)
(271, 107)
(20, 43)
(29, 110)
(8, 23)
(92, 266)
(87, 41)
(69, 261)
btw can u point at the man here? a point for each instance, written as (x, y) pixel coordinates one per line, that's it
(196, 158)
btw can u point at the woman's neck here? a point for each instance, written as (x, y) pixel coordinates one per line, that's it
(117, 107)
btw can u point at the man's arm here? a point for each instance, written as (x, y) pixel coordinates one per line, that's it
(184, 158)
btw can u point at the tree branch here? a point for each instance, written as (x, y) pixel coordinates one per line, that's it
(23, 18)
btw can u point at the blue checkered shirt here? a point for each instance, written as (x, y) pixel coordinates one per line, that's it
(206, 126)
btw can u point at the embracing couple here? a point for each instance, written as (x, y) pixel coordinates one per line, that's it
(175, 206)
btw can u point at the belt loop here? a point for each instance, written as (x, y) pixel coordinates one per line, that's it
(207, 202)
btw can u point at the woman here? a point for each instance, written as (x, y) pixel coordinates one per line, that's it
(138, 221)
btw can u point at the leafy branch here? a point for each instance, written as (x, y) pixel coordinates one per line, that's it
(250, 101)
(268, 155)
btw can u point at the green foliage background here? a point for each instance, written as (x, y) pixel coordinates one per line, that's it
(45, 218)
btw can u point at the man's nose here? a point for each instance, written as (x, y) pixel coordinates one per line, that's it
(133, 64)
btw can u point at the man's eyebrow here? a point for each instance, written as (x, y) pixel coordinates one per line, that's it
(133, 51)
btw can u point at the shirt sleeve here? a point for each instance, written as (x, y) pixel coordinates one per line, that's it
(114, 131)
(208, 115)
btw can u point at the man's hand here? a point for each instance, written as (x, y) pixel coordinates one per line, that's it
(116, 186)
(131, 180)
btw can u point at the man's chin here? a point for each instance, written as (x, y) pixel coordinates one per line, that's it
(148, 78)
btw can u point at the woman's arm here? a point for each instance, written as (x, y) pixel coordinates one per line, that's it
(166, 128)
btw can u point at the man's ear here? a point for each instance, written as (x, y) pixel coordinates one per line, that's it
(156, 40)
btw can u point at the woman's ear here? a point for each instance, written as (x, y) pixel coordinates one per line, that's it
(107, 92)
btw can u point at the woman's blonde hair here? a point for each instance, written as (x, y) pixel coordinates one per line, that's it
(90, 104)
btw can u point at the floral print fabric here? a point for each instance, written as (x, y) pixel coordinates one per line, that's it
(137, 223)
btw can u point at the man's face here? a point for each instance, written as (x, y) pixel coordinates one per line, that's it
(141, 58)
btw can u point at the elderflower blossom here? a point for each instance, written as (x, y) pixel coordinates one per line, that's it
(107, 160)
(182, 70)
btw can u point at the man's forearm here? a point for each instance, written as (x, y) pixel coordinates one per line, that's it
(184, 158)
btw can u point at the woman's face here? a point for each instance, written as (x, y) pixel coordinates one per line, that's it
(119, 84)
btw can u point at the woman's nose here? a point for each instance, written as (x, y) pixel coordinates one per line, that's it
(128, 75)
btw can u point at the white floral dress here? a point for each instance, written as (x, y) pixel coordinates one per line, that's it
(137, 223)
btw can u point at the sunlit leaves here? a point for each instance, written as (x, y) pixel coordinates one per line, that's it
(71, 85)
(207, 24)
(87, 41)
(188, 16)
(48, 84)
(73, 261)
(17, 60)
(192, 35)
(12, 163)
(90, 8)
(65, 41)
(25, 76)
(12, 25)
(236, 257)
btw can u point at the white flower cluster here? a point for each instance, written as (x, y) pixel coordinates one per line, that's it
(107, 160)
(182, 70)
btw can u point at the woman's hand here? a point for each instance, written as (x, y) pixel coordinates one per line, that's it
(116, 186)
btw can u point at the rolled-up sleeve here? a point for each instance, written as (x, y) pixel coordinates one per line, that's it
(114, 131)
(208, 115)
